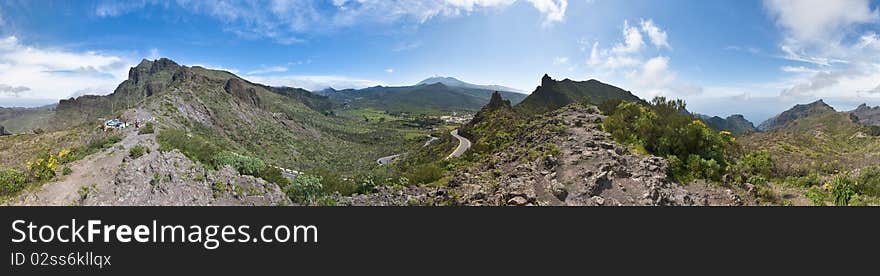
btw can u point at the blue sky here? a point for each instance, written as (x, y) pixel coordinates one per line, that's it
(754, 57)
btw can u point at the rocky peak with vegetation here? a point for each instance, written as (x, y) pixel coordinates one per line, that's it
(736, 124)
(553, 94)
(795, 113)
(867, 115)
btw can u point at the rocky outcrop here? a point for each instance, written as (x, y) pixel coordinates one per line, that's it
(242, 91)
(561, 160)
(171, 179)
(553, 94)
(867, 115)
(3, 131)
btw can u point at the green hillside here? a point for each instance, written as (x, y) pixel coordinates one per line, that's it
(825, 141)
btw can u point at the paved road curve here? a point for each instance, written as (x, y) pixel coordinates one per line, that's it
(463, 145)
(387, 159)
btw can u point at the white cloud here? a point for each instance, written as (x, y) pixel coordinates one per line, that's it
(798, 69)
(841, 58)
(154, 54)
(389, 71)
(595, 56)
(657, 36)
(655, 73)
(876, 90)
(285, 21)
(632, 42)
(820, 20)
(51, 73)
(618, 62)
(268, 70)
(12, 91)
(648, 75)
(407, 46)
(553, 10)
(560, 60)
(314, 83)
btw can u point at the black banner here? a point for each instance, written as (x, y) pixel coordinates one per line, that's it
(416, 240)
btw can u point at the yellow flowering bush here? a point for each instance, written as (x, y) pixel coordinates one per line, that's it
(43, 167)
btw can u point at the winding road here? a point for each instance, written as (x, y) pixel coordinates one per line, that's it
(387, 159)
(463, 145)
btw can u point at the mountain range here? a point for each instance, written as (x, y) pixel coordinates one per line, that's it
(432, 95)
(549, 147)
(453, 82)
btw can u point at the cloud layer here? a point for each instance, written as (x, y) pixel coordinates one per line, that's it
(839, 57)
(289, 21)
(47, 73)
(646, 71)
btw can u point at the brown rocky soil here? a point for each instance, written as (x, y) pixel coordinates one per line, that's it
(112, 177)
(589, 169)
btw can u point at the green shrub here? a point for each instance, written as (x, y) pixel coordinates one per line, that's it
(274, 175)
(11, 181)
(757, 180)
(193, 146)
(810, 180)
(305, 189)
(66, 170)
(842, 189)
(102, 143)
(136, 151)
(816, 195)
(243, 164)
(663, 128)
(869, 181)
(147, 129)
(332, 182)
(157, 179)
(610, 106)
(755, 163)
(425, 174)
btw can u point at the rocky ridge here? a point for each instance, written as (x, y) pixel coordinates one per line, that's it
(561, 160)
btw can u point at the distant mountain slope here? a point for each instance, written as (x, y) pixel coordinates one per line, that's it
(736, 124)
(317, 102)
(814, 137)
(867, 115)
(553, 94)
(283, 126)
(797, 112)
(423, 98)
(23, 120)
(453, 82)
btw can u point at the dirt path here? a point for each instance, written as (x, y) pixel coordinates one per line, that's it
(95, 172)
